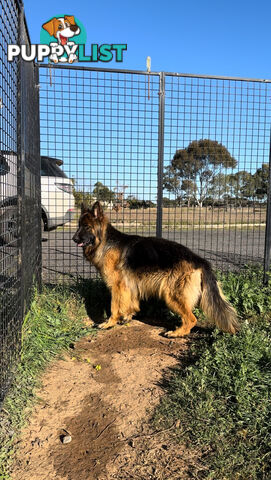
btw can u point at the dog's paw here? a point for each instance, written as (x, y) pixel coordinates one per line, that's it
(54, 58)
(169, 334)
(179, 332)
(105, 325)
(72, 58)
(174, 334)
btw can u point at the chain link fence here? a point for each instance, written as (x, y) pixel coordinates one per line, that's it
(20, 246)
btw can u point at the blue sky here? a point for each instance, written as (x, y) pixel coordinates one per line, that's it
(116, 139)
(213, 37)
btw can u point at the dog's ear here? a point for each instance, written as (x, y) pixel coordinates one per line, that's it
(50, 26)
(70, 19)
(97, 211)
(84, 208)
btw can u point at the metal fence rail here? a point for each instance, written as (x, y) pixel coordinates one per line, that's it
(178, 155)
(20, 248)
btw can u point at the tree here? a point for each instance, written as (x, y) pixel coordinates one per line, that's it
(171, 181)
(189, 188)
(134, 203)
(193, 169)
(183, 191)
(170, 203)
(103, 193)
(242, 186)
(220, 187)
(261, 179)
(80, 197)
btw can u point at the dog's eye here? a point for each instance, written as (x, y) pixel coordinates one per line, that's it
(67, 24)
(60, 27)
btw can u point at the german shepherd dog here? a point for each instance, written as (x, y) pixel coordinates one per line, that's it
(135, 268)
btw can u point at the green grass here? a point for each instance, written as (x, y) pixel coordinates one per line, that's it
(221, 399)
(54, 322)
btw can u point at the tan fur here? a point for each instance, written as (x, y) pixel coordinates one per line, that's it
(127, 290)
(182, 286)
(220, 313)
(70, 19)
(51, 27)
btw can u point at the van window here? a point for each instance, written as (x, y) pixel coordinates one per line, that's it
(50, 169)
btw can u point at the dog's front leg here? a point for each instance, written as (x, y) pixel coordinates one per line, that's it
(115, 308)
(54, 49)
(54, 58)
(72, 57)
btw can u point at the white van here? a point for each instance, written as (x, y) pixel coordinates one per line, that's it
(57, 200)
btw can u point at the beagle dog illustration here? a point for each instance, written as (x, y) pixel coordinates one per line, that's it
(62, 28)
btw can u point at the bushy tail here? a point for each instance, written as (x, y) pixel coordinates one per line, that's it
(215, 306)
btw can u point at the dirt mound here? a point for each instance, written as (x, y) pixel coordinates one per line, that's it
(102, 396)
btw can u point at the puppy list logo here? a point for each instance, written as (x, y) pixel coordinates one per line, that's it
(63, 39)
(63, 29)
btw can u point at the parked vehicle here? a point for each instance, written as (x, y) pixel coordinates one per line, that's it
(57, 200)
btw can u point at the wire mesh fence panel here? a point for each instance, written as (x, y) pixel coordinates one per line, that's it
(99, 141)
(216, 163)
(19, 189)
(10, 283)
(182, 156)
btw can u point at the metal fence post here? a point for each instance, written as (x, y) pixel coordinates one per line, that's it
(161, 131)
(267, 244)
(20, 171)
(39, 259)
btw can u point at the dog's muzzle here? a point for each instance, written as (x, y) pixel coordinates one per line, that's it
(90, 240)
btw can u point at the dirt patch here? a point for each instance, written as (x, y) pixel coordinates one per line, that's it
(94, 442)
(103, 396)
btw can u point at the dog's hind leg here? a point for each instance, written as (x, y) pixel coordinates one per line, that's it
(182, 300)
(188, 318)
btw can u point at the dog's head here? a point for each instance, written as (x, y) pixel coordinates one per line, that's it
(91, 226)
(62, 28)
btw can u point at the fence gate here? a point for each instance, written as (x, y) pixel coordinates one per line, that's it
(182, 156)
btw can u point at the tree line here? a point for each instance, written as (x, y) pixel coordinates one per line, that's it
(196, 176)
(110, 198)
